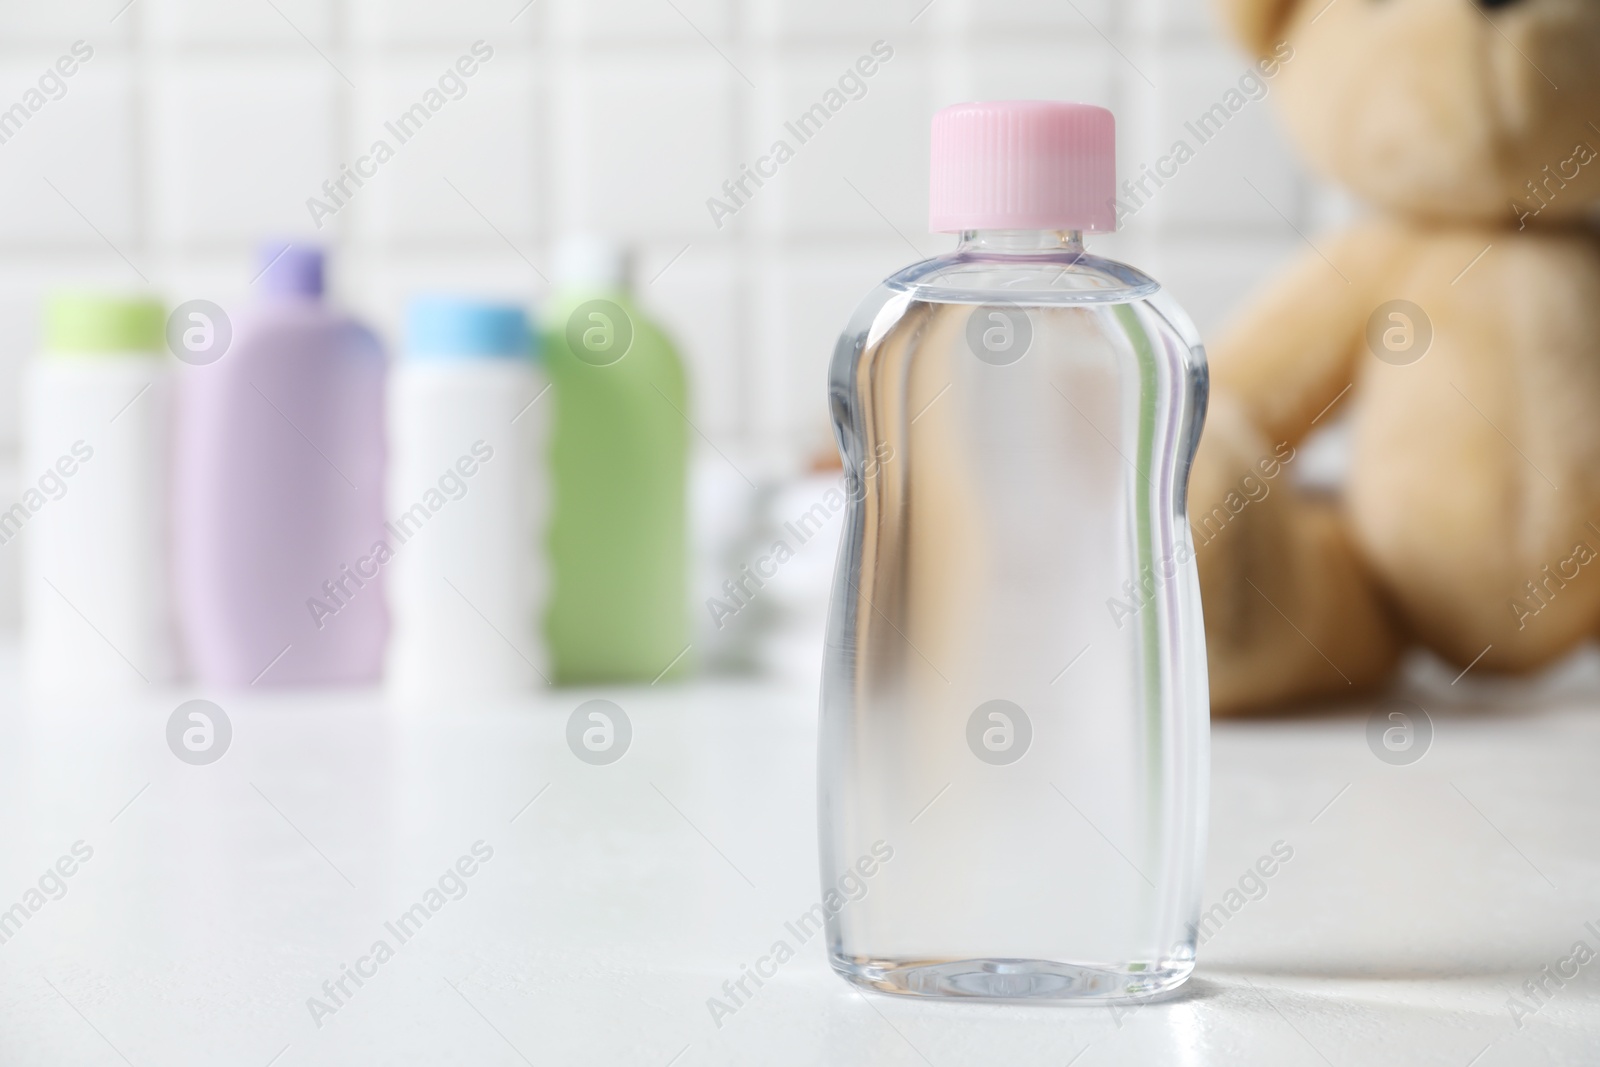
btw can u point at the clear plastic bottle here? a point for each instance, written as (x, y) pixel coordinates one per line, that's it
(1013, 767)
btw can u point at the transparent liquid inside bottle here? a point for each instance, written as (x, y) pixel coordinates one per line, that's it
(1014, 700)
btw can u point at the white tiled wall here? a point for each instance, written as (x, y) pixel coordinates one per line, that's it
(202, 125)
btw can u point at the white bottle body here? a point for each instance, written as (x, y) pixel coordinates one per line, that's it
(468, 500)
(97, 606)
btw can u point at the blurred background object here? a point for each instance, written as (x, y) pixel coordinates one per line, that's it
(467, 446)
(618, 462)
(100, 389)
(279, 454)
(195, 128)
(1454, 327)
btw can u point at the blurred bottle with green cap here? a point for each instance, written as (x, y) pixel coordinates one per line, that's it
(91, 516)
(619, 608)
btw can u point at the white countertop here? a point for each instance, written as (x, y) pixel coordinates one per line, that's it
(219, 898)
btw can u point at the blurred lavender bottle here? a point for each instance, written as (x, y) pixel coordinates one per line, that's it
(278, 497)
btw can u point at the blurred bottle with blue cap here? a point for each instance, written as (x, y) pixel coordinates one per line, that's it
(467, 501)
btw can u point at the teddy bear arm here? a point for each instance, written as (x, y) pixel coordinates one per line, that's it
(1292, 354)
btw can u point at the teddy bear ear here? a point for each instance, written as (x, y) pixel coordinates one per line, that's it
(1257, 23)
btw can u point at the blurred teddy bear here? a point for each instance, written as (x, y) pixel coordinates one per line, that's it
(1461, 323)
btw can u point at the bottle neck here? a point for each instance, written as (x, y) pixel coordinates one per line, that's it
(1022, 242)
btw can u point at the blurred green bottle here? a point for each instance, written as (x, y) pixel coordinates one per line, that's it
(619, 554)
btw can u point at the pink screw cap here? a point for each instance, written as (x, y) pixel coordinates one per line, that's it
(1023, 165)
